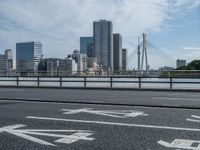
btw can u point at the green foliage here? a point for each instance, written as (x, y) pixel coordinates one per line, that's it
(194, 65)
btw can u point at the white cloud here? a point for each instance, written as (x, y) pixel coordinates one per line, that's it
(191, 48)
(58, 24)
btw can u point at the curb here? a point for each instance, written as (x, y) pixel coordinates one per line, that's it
(100, 103)
(105, 88)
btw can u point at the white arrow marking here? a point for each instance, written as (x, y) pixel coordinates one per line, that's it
(73, 138)
(181, 144)
(109, 113)
(196, 118)
(65, 139)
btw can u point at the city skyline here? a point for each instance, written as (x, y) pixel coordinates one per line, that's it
(173, 25)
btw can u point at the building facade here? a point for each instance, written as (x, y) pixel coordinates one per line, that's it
(3, 64)
(180, 63)
(80, 59)
(57, 67)
(117, 52)
(124, 59)
(103, 43)
(6, 62)
(28, 55)
(8, 53)
(87, 46)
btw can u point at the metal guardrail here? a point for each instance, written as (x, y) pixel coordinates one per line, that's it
(138, 81)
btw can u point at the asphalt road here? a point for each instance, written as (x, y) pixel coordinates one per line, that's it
(51, 122)
(143, 98)
(58, 126)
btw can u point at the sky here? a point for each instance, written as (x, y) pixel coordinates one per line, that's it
(171, 25)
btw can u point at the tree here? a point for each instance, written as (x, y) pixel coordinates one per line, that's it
(194, 65)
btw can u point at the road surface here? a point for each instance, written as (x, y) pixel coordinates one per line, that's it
(30, 125)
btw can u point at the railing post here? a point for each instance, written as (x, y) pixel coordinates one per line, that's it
(17, 80)
(111, 82)
(171, 83)
(140, 84)
(60, 81)
(38, 81)
(85, 82)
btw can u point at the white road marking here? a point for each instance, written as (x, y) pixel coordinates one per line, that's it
(65, 139)
(175, 98)
(113, 123)
(9, 101)
(109, 113)
(184, 94)
(181, 144)
(194, 118)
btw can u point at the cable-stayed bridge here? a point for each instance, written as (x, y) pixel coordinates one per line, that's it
(147, 56)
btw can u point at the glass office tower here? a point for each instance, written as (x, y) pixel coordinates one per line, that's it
(103, 43)
(117, 52)
(28, 55)
(87, 46)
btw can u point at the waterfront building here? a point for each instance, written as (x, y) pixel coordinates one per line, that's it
(28, 56)
(8, 53)
(166, 68)
(3, 64)
(87, 46)
(57, 67)
(180, 63)
(124, 59)
(117, 52)
(103, 43)
(80, 59)
(71, 66)
(6, 62)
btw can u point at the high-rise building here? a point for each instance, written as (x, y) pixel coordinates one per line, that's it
(180, 63)
(3, 64)
(87, 46)
(28, 55)
(103, 43)
(117, 52)
(6, 62)
(124, 59)
(8, 53)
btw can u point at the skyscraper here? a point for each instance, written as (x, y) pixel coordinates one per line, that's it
(117, 52)
(28, 55)
(87, 46)
(3, 64)
(6, 62)
(103, 43)
(8, 53)
(124, 59)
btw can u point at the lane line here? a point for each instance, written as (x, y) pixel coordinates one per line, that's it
(10, 101)
(175, 98)
(192, 120)
(184, 94)
(113, 123)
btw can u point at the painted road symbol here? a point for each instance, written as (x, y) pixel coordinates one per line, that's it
(194, 118)
(109, 113)
(64, 139)
(181, 144)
